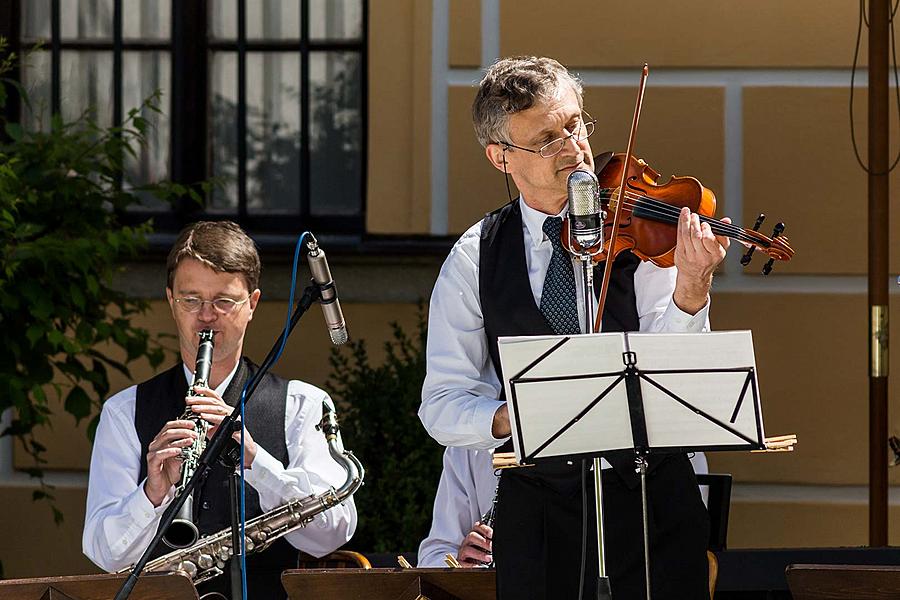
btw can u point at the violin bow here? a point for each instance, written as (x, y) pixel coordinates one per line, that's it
(610, 259)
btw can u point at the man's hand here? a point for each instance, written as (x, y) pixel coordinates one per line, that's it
(475, 549)
(500, 427)
(164, 459)
(212, 409)
(697, 254)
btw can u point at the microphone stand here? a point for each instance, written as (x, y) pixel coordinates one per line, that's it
(585, 258)
(214, 450)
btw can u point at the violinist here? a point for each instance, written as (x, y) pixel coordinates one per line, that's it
(510, 275)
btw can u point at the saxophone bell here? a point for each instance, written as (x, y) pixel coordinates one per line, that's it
(182, 533)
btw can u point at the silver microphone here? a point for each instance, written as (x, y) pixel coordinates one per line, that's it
(585, 211)
(331, 307)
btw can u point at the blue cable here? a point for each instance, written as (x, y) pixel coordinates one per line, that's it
(284, 337)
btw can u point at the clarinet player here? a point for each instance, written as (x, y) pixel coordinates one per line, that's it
(212, 284)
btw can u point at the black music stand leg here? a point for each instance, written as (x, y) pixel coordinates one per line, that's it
(640, 461)
(603, 591)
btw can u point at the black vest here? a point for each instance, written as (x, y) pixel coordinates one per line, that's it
(508, 308)
(161, 399)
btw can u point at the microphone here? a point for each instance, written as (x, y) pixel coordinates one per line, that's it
(331, 307)
(585, 211)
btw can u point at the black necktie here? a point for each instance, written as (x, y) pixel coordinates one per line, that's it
(558, 304)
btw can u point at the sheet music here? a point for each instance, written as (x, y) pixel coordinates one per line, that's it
(549, 380)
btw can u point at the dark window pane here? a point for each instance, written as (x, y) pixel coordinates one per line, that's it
(87, 84)
(335, 19)
(335, 134)
(36, 81)
(273, 133)
(273, 20)
(142, 74)
(86, 19)
(146, 19)
(36, 19)
(223, 19)
(223, 142)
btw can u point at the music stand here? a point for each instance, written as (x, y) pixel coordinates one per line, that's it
(150, 586)
(651, 393)
(390, 584)
(843, 582)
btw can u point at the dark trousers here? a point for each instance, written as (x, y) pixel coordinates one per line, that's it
(538, 532)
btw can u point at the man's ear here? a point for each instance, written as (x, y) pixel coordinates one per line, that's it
(497, 157)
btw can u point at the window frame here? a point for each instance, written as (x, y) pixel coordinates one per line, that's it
(189, 107)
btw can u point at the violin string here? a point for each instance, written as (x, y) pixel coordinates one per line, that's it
(667, 213)
(670, 213)
(668, 209)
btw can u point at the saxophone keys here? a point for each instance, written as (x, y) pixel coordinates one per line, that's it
(188, 568)
(205, 561)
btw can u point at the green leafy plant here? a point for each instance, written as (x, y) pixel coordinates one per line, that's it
(377, 406)
(61, 321)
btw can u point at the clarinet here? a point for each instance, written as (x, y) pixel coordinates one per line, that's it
(488, 518)
(182, 533)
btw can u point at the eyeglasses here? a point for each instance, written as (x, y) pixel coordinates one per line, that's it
(223, 306)
(580, 132)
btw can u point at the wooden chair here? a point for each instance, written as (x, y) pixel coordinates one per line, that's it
(339, 559)
(713, 573)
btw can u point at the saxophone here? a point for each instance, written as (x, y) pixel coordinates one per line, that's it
(182, 533)
(206, 559)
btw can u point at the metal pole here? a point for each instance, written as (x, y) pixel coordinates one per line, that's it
(879, 138)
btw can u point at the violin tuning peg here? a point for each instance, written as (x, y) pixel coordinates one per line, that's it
(759, 221)
(779, 229)
(748, 256)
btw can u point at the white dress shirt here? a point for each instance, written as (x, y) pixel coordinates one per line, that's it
(461, 390)
(465, 493)
(120, 520)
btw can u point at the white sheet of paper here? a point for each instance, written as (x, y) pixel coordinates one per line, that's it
(554, 385)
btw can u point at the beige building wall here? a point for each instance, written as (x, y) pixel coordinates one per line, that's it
(750, 98)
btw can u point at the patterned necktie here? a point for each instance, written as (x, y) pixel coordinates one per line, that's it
(558, 304)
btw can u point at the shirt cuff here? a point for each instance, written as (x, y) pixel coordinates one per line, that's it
(484, 421)
(142, 510)
(678, 321)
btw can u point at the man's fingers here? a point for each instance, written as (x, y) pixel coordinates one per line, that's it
(173, 437)
(160, 456)
(471, 556)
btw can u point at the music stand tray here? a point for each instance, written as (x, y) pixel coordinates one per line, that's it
(390, 584)
(843, 582)
(151, 586)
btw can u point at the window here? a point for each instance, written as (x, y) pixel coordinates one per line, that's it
(267, 97)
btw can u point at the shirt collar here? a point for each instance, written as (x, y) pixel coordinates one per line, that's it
(533, 220)
(220, 389)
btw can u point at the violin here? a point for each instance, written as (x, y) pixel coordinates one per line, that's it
(644, 213)
(649, 216)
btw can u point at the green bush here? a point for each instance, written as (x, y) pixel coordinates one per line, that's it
(377, 408)
(61, 197)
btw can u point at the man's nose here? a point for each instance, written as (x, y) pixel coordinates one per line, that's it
(207, 312)
(571, 145)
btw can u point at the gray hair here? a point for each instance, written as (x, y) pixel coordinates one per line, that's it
(515, 84)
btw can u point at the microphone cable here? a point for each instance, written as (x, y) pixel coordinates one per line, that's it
(287, 325)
